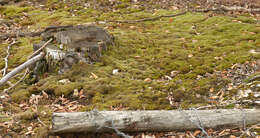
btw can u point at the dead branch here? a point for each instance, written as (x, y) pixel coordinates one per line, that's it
(238, 8)
(137, 121)
(7, 56)
(148, 19)
(40, 49)
(222, 8)
(30, 34)
(20, 68)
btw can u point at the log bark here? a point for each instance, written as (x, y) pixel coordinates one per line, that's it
(138, 121)
(21, 67)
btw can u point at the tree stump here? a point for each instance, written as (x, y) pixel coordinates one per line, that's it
(70, 45)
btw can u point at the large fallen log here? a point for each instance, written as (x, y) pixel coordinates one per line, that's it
(138, 121)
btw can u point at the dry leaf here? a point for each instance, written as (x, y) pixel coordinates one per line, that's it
(45, 95)
(170, 20)
(94, 75)
(197, 132)
(211, 89)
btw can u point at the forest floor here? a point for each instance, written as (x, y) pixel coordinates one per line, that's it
(198, 60)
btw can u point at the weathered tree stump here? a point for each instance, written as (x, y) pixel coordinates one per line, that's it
(70, 45)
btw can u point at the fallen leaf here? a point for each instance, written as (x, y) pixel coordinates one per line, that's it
(94, 75)
(197, 132)
(211, 89)
(170, 20)
(232, 136)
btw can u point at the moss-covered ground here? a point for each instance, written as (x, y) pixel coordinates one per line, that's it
(147, 54)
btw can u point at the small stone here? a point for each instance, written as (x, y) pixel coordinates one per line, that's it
(2, 97)
(115, 71)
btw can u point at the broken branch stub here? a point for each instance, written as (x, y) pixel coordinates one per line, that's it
(160, 120)
(73, 44)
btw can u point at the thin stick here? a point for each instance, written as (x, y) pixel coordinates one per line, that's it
(24, 75)
(249, 129)
(7, 56)
(41, 121)
(39, 50)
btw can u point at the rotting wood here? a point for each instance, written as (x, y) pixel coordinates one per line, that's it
(21, 67)
(138, 121)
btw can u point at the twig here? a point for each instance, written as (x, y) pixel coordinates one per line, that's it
(148, 19)
(40, 49)
(24, 75)
(41, 122)
(249, 129)
(7, 56)
(238, 8)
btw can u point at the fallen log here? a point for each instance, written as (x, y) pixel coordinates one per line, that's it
(21, 67)
(138, 121)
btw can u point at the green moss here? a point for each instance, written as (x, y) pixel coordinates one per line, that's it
(66, 89)
(150, 49)
(21, 95)
(28, 115)
(12, 10)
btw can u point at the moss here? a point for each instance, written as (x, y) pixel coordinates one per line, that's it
(12, 10)
(28, 115)
(41, 132)
(21, 95)
(66, 89)
(151, 49)
(4, 118)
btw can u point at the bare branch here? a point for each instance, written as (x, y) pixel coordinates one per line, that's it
(40, 49)
(7, 56)
(20, 68)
